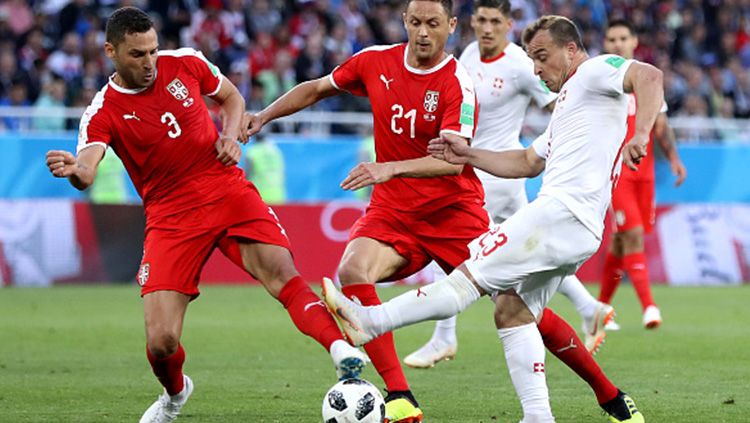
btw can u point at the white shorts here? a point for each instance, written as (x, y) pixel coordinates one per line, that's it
(531, 252)
(504, 197)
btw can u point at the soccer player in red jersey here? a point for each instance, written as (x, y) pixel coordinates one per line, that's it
(152, 115)
(421, 208)
(633, 199)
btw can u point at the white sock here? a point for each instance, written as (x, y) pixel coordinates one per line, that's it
(524, 353)
(445, 331)
(439, 300)
(584, 302)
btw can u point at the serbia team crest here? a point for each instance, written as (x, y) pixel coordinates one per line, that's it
(431, 101)
(178, 90)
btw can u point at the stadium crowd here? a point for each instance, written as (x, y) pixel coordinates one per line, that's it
(51, 54)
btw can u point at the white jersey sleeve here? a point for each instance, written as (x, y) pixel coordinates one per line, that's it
(541, 144)
(606, 74)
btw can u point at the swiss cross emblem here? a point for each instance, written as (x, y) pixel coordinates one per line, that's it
(143, 273)
(178, 90)
(538, 367)
(431, 101)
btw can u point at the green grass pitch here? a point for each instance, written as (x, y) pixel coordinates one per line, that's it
(76, 354)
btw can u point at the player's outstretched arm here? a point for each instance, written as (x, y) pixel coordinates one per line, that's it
(505, 164)
(296, 99)
(366, 174)
(232, 107)
(80, 170)
(646, 82)
(664, 135)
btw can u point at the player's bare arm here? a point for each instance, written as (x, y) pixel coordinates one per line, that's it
(296, 99)
(646, 82)
(366, 174)
(80, 170)
(664, 135)
(232, 106)
(505, 164)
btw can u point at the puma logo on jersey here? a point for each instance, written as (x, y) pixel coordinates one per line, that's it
(131, 116)
(387, 82)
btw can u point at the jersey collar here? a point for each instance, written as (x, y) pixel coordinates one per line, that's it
(425, 71)
(124, 90)
(495, 58)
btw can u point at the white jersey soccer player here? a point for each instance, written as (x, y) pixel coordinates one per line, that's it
(505, 85)
(548, 239)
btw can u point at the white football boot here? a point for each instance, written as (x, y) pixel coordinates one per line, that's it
(352, 317)
(593, 327)
(651, 317)
(431, 353)
(167, 407)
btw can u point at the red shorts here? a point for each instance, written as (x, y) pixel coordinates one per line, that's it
(176, 247)
(633, 205)
(442, 236)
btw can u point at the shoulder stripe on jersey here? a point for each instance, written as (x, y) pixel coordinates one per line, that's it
(96, 104)
(218, 86)
(469, 99)
(333, 81)
(180, 52)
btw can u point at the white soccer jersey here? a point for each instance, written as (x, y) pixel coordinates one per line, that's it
(504, 85)
(582, 143)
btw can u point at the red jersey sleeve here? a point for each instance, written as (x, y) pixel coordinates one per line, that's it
(348, 76)
(95, 128)
(205, 72)
(461, 112)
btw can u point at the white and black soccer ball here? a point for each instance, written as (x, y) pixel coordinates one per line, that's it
(353, 401)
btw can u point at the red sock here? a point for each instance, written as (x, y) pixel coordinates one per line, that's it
(562, 341)
(169, 370)
(635, 265)
(309, 313)
(382, 350)
(611, 277)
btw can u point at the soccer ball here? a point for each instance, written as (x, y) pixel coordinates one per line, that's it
(353, 401)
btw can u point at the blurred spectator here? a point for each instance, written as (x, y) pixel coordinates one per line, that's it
(209, 32)
(313, 62)
(67, 61)
(22, 18)
(695, 130)
(50, 107)
(278, 80)
(17, 97)
(33, 49)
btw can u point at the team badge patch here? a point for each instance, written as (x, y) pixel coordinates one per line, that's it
(178, 90)
(143, 274)
(431, 101)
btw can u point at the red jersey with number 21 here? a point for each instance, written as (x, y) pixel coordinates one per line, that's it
(164, 134)
(410, 107)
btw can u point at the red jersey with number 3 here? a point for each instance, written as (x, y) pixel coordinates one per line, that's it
(164, 134)
(410, 107)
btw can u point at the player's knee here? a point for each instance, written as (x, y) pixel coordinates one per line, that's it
(163, 344)
(353, 271)
(511, 311)
(632, 240)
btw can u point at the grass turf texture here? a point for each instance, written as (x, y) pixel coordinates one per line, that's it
(76, 354)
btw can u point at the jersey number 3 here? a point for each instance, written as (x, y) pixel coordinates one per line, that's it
(398, 113)
(171, 121)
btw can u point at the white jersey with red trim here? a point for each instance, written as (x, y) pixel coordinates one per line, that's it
(583, 141)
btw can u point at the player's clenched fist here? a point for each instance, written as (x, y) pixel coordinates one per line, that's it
(61, 163)
(453, 150)
(635, 150)
(228, 150)
(251, 125)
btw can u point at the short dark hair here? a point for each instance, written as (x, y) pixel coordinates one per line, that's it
(447, 5)
(623, 23)
(502, 5)
(126, 20)
(561, 29)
